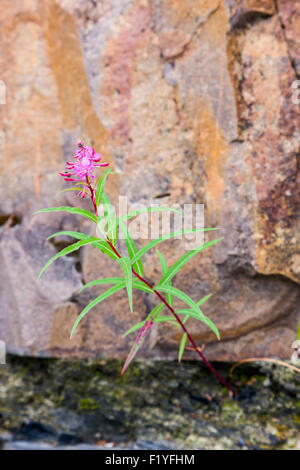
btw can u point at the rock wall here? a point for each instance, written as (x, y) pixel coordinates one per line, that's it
(192, 99)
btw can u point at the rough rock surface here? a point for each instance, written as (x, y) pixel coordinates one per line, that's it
(50, 403)
(191, 99)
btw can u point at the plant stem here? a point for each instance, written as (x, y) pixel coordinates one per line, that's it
(201, 355)
(206, 362)
(92, 191)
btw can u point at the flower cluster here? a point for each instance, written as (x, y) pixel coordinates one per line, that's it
(86, 161)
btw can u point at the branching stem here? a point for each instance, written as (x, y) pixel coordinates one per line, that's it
(162, 299)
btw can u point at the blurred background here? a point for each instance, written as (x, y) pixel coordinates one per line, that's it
(191, 102)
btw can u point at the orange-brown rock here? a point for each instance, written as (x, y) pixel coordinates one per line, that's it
(190, 99)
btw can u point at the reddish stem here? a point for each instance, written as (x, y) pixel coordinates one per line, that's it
(92, 191)
(208, 364)
(201, 355)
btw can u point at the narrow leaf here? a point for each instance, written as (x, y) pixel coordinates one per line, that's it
(102, 245)
(194, 311)
(78, 235)
(165, 318)
(203, 318)
(183, 260)
(153, 314)
(180, 294)
(137, 284)
(147, 209)
(126, 266)
(164, 269)
(151, 244)
(131, 248)
(106, 249)
(70, 210)
(72, 189)
(94, 302)
(156, 311)
(298, 331)
(110, 218)
(67, 250)
(182, 346)
(204, 299)
(100, 186)
(107, 280)
(137, 326)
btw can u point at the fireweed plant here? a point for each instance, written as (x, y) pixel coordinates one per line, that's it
(80, 171)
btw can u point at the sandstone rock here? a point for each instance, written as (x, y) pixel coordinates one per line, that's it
(187, 99)
(241, 11)
(289, 13)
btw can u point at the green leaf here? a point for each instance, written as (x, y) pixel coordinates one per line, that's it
(153, 314)
(163, 263)
(204, 299)
(162, 319)
(96, 301)
(106, 249)
(126, 266)
(165, 318)
(147, 209)
(72, 189)
(78, 235)
(182, 346)
(110, 218)
(137, 284)
(180, 294)
(183, 260)
(137, 326)
(164, 269)
(100, 186)
(298, 332)
(102, 245)
(156, 311)
(70, 210)
(67, 250)
(107, 280)
(131, 248)
(151, 244)
(195, 314)
(194, 311)
(171, 319)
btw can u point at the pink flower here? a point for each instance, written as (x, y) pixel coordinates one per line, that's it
(86, 160)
